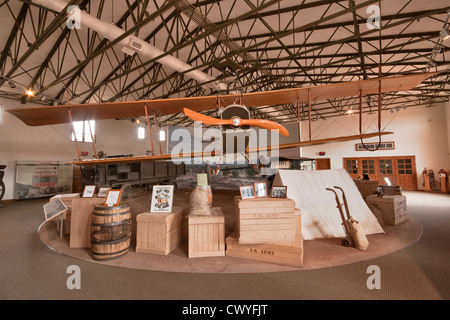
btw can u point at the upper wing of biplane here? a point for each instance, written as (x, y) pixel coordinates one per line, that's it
(49, 115)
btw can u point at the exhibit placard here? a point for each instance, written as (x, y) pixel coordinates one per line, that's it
(54, 208)
(162, 198)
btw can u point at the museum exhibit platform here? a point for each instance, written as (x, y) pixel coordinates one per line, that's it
(317, 253)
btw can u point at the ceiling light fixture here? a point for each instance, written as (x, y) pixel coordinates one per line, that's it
(438, 49)
(432, 63)
(445, 33)
(29, 93)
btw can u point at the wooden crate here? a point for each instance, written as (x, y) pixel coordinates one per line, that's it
(290, 254)
(366, 187)
(389, 210)
(265, 220)
(206, 235)
(161, 233)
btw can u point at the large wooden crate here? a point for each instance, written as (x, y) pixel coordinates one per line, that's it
(366, 187)
(206, 235)
(389, 210)
(161, 233)
(265, 220)
(290, 254)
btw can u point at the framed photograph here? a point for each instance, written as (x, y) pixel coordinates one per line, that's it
(260, 189)
(113, 198)
(247, 192)
(89, 191)
(162, 199)
(103, 192)
(278, 192)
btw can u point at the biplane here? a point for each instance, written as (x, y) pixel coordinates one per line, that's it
(237, 115)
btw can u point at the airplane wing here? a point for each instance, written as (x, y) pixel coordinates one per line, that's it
(320, 141)
(131, 159)
(49, 115)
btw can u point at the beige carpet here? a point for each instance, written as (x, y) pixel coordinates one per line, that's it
(319, 253)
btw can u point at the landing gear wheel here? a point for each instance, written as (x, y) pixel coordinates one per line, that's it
(346, 242)
(2, 189)
(126, 192)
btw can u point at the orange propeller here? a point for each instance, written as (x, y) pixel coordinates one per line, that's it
(236, 122)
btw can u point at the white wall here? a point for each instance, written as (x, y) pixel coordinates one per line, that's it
(447, 113)
(419, 131)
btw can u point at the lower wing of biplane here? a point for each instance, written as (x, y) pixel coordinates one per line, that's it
(191, 106)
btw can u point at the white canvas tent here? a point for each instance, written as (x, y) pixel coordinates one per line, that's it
(320, 215)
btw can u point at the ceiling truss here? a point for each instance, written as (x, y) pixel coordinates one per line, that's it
(250, 45)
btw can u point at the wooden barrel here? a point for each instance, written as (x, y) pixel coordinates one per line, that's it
(110, 232)
(208, 191)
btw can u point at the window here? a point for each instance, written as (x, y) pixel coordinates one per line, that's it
(84, 130)
(368, 166)
(351, 166)
(404, 166)
(375, 146)
(162, 135)
(141, 133)
(385, 166)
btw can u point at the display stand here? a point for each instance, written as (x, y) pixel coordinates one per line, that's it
(390, 210)
(206, 235)
(290, 254)
(161, 233)
(63, 221)
(81, 217)
(265, 220)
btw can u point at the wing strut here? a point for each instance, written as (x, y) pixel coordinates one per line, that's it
(360, 111)
(379, 105)
(157, 127)
(309, 113)
(299, 122)
(74, 134)
(92, 138)
(149, 128)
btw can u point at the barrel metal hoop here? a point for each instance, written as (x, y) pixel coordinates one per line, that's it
(111, 241)
(112, 224)
(109, 253)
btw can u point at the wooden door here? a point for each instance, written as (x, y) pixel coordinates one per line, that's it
(386, 169)
(323, 164)
(399, 170)
(406, 172)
